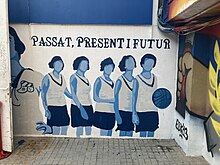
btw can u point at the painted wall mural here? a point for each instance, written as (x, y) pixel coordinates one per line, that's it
(198, 85)
(192, 71)
(100, 85)
(26, 87)
(212, 124)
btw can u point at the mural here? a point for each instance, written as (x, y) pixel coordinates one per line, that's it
(198, 70)
(26, 87)
(184, 69)
(114, 101)
(192, 70)
(212, 124)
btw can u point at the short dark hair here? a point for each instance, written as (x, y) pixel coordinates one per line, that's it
(19, 45)
(53, 60)
(123, 60)
(78, 60)
(148, 56)
(107, 61)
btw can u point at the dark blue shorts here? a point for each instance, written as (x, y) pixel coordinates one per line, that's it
(59, 116)
(104, 120)
(126, 124)
(76, 118)
(148, 121)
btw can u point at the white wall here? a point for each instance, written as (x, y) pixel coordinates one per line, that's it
(5, 108)
(196, 145)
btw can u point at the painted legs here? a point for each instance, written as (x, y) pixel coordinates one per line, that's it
(64, 130)
(79, 131)
(147, 134)
(104, 132)
(60, 130)
(126, 133)
(88, 130)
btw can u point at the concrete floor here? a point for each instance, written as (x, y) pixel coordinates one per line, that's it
(93, 151)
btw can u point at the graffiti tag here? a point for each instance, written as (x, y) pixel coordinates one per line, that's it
(182, 129)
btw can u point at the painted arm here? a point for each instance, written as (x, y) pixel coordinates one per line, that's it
(116, 106)
(38, 90)
(39, 77)
(135, 118)
(96, 90)
(67, 93)
(73, 87)
(15, 100)
(45, 86)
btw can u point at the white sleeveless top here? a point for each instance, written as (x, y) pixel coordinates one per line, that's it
(106, 92)
(125, 94)
(83, 90)
(145, 92)
(55, 93)
(26, 103)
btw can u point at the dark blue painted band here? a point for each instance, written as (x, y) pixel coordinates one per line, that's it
(130, 12)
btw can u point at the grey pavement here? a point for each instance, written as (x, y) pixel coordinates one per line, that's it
(97, 151)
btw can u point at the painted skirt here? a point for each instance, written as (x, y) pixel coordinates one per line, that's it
(104, 120)
(126, 124)
(59, 116)
(148, 121)
(76, 118)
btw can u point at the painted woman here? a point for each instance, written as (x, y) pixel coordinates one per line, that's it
(26, 88)
(53, 97)
(145, 113)
(103, 94)
(123, 96)
(81, 106)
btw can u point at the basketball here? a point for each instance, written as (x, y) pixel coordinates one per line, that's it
(162, 98)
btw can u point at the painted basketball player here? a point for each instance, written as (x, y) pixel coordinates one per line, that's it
(81, 107)
(53, 97)
(145, 113)
(123, 96)
(103, 94)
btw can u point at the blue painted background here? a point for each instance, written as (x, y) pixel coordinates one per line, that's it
(130, 12)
